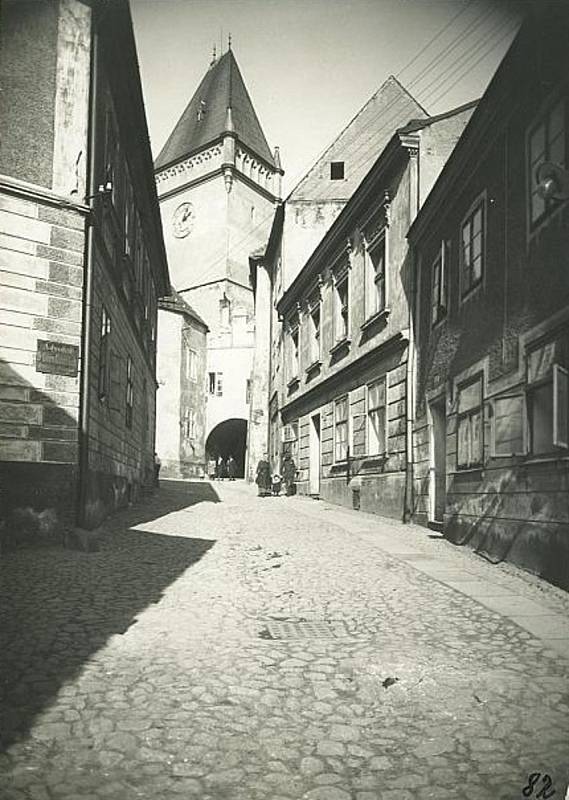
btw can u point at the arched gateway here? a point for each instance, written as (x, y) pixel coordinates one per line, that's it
(229, 438)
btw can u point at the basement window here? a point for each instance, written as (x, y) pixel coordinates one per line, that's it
(337, 171)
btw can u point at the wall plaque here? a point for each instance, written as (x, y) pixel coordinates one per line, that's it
(57, 358)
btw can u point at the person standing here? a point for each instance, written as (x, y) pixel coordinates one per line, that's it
(289, 475)
(231, 468)
(263, 476)
(157, 465)
(211, 469)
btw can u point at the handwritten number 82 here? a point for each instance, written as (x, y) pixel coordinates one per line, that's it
(545, 792)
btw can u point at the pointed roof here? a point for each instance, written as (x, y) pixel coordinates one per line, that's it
(206, 119)
(359, 144)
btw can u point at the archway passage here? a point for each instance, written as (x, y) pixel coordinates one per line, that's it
(229, 438)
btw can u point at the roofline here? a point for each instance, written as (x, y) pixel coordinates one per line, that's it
(352, 120)
(163, 305)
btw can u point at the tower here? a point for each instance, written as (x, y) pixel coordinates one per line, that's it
(218, 185)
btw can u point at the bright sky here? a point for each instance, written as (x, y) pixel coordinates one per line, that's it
(310, 65)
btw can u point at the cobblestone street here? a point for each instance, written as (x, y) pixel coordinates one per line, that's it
(227, 647)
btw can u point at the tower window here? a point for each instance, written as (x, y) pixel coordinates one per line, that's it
(337, 171)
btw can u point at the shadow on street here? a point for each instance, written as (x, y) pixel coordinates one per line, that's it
(58, 607)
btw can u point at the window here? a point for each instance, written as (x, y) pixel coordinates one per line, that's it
(224, 306)
(337, 171)
(215, 383)
(375, 298)
(508, 425)
(472, 248)
(128, 218)
(547, 396)
(290, 440)
(129, 392)
(341, 429)
(546, 142)
(376, 417)
(314, 333)
(189, 424)
(104, 354)
(439, 280)
(341, 310)
(192, 365)
(470, 424)
(293, 353)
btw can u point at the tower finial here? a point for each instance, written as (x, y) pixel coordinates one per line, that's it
(214, 54)
(229, 42)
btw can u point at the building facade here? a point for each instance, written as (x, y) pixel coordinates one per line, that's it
(491, 432)
(181, 398)
(218, 184)
(82, 263)
(348, 339)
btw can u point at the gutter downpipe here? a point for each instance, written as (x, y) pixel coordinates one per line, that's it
(410, 366)
(88, 287)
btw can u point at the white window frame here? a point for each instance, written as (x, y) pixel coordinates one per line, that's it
(315, 333)
(346, 422)
(339, 278)
(370, 273)
(368, 421)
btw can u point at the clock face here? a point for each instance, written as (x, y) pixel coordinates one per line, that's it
(183, 220)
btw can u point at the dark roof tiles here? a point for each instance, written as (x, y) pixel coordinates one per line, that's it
(205, 117)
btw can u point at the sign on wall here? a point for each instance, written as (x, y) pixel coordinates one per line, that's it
(57, 358)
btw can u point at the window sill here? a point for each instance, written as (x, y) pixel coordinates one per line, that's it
(342, 344)
(467, 470)
(379, 316)
(545, 459)
(313, 366)
(474, 289)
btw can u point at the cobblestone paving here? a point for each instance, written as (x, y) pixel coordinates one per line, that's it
(150, 669)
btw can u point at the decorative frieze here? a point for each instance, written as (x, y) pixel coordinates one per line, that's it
(190, 165)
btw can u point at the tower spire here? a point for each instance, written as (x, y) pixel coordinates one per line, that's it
(213, 55)
(229, 42)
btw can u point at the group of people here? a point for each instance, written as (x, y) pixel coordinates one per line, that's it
(271, 483)
(219, 468)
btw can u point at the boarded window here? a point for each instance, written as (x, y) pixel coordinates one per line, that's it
(509, 425)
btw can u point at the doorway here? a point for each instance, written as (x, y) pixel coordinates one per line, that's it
(438, 454)
(314, 477)
(229, 438)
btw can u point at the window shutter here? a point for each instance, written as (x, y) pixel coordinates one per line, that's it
(560, 406)
(115, 394)
(509, 425)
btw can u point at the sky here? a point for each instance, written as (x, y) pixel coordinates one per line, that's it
(310, 65)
